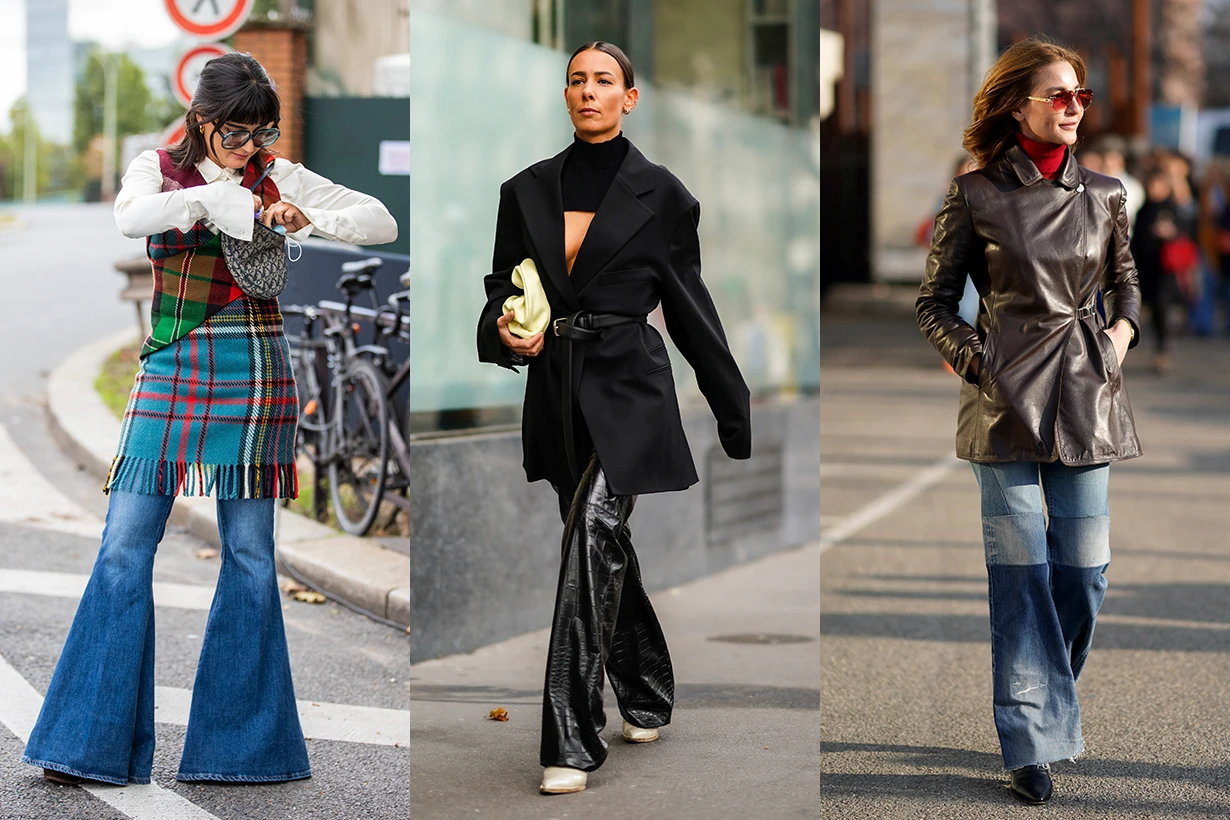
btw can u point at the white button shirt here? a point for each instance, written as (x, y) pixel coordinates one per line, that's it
(142, 208)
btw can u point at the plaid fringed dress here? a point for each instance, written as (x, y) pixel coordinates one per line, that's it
(214, 406)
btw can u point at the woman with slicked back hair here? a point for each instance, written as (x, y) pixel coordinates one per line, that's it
(613, 236)
(212, 412)
(1044, 409)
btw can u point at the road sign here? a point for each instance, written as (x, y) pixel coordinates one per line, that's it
(209, 19)
(173, 134)
(188, 70)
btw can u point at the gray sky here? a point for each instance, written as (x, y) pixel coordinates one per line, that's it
(115, 24)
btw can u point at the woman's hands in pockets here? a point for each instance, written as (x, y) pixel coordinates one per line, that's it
(1120, 336)
(526, 347)
(283, 213)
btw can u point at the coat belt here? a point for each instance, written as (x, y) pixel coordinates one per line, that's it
(581, 326)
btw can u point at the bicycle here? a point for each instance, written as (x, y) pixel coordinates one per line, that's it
(342, 430)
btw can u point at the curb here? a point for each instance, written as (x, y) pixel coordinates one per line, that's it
(354, 569)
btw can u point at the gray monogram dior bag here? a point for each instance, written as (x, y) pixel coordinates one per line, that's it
(260, 267)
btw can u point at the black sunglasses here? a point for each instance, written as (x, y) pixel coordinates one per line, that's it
(261, 138)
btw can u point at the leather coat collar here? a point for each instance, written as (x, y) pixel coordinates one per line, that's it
(1028, 173)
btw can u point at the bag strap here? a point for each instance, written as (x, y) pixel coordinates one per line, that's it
(261, 178)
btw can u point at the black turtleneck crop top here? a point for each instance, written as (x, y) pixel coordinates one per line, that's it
(589, 171)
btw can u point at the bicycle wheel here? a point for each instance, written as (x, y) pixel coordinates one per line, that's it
(358, 468)
(311, 431)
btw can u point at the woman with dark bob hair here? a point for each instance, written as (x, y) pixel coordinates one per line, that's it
(213, 410)
(1043, 409)
(613, 236)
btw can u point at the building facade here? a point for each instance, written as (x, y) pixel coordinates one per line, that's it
(49, 69)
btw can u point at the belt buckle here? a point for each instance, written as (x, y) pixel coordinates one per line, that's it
(1086, 311)
(557, 323)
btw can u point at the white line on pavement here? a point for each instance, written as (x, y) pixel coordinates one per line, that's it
(320, 720)
(19, 705)
(27, 498)
(887, 503)
(72, 585)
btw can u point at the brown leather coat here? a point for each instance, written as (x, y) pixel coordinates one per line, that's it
(1048, 385)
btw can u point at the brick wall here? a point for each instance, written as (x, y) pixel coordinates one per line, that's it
(283, 53)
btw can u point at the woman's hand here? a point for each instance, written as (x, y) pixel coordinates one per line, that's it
(1120, 336)
(526, 347)
(283, 213)
(256, 204)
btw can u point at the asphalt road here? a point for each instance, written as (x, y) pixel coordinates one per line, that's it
(906, 679)
(60, 293)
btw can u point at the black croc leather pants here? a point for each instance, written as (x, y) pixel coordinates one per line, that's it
(603, 620)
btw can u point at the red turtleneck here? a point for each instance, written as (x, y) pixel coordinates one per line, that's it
(1046, 156)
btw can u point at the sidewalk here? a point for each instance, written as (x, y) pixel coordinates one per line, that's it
(908, 729)
(356, 569)
(742, 743)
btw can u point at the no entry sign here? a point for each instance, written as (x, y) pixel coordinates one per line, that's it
(209, 19)
(188, 70)
(173, 134)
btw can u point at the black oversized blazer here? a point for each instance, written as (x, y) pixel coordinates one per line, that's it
(641, 249)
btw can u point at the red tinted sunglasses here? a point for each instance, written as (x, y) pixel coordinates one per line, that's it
(1063, 99)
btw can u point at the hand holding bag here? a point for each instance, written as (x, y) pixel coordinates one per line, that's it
(531, 311)
(260, 267)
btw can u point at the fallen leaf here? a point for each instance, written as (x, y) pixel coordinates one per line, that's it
(290, 587)
(307, 596)
(207, 553)
(498, 714)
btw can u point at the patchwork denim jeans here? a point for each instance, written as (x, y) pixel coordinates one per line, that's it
(97, 720)
(1046, 567)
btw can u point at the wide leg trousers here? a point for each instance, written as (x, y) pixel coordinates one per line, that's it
(1046, 574)
(97, 720)
(603, 622)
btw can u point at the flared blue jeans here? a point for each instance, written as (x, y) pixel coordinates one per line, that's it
(97, 720)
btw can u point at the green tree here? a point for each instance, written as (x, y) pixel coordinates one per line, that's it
(133, 110)
(15, 151)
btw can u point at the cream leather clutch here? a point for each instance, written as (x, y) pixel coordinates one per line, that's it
(531, 312)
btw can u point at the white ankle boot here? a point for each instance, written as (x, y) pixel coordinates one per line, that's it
(635, 734)
(562, 780)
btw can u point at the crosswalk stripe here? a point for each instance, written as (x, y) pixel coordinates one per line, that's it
(320, 720)
(29, 499)
(19, 705)
(72, 585)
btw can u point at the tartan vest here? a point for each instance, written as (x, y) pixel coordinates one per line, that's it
(191, 280)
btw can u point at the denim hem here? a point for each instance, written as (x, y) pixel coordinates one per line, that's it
(101, 778)
(1050, 756)
(243, 778)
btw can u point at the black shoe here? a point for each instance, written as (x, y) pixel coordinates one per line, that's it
(1032, 784)
(63, 778)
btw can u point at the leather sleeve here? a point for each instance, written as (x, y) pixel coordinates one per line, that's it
(1121, 284)
(508, 253)
(939, 296)
(694, 327)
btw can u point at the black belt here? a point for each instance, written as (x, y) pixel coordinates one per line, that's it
(581, 326)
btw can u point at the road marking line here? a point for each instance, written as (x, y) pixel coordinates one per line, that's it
(72, 585)
(1142, 620)
(19, 706)
(320, 720)
(887, 503)
(29, 499)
